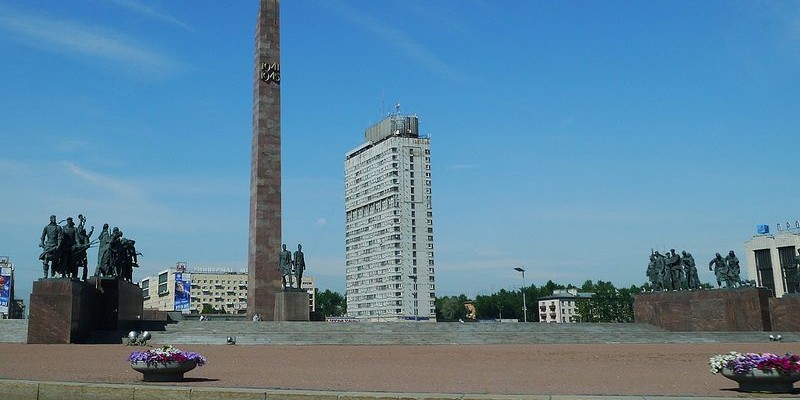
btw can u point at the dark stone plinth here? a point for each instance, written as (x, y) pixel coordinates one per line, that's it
(783, 313)
(264, 279)
(60, 312)
(742, 309)
(65, 311)
(119, 305)
(291, 306)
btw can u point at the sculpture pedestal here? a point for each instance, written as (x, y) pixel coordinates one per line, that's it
(291, 306)
(65, 311)
(119, 304)
(740, 309)
(60, 312)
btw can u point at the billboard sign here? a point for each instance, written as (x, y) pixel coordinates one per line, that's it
(5, 289)
(182, 291)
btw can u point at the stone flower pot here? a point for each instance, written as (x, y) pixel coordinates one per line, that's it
(170, 371)
(757, 380)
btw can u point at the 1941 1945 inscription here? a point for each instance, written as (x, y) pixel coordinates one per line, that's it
(271, 72)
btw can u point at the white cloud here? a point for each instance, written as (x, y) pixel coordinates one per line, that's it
(399, 40)
(121, 188)
(322, 221)
(70, 37)
(151, 12)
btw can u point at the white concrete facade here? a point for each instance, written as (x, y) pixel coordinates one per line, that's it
(219, 288)
(389, 248)
(768, 255)
(561, 306)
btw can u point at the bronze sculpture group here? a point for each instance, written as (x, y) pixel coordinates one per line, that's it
(678, 272)
(672, 271)
(727, 270)
(64, 251)
(291, 267)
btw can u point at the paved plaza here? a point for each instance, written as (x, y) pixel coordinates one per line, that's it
(676, 370)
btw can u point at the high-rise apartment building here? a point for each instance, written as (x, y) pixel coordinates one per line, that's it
(389, 224)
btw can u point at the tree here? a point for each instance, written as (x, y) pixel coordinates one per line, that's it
(331, 304)
(608, 304)
(451, 308)
(209, 309)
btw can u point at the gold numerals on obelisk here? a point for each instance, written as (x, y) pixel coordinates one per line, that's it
(271, 72)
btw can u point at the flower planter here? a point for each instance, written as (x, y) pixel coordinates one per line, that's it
(757, 380)
(169, 371)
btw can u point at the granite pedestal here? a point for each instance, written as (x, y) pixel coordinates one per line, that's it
(291, 306)
(783, 313)
(60, 312)
(64, 311)
(741, 309)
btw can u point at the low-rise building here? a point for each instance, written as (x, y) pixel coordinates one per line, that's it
(561, 306)
(768, 256)
(190, 290)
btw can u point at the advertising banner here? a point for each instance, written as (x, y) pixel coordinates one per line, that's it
(5, 289)
(182, 291)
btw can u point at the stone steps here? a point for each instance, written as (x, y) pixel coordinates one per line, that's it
(399, 333)
(318, 333)
(13, 330)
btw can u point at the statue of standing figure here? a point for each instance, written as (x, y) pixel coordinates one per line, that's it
(83, 244)
(720, 269)
(653, 274)
(285, 266)
(103, 253)
(675, 269)
(50, 244)
(299, 265)
(690, 268)
(732, 278)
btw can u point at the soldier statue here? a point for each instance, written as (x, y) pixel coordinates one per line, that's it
(675, 269)
(299, 265)
(653, 274)
(733, 278)
(285, 265)
(50, 244)
(690, 268)
(84, 242)
(720, 269)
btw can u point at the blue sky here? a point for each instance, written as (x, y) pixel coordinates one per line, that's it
(568, 137)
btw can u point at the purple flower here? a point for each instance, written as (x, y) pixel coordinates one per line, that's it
(166, 354)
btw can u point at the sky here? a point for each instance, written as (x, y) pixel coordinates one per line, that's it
(568, 138)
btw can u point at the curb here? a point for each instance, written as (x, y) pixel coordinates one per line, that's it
(14, 389)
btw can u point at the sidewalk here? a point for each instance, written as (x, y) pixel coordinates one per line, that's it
(609, 370)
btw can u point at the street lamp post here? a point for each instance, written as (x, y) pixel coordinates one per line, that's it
(522, 289)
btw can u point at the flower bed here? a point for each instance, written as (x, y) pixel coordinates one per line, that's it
(166, 354)
(743, 363)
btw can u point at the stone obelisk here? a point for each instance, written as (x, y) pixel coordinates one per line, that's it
(264, 279)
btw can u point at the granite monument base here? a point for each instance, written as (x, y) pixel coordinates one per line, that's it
(291, 306)
(119, 304)
(65, 311)
(783, 313)
(740, 309)
(60, 312)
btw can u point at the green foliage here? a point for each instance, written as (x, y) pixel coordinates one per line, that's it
(331, 304)
(209, 309)
(608, 304)
(451, 308)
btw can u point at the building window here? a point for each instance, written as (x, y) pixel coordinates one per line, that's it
(162, 284)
